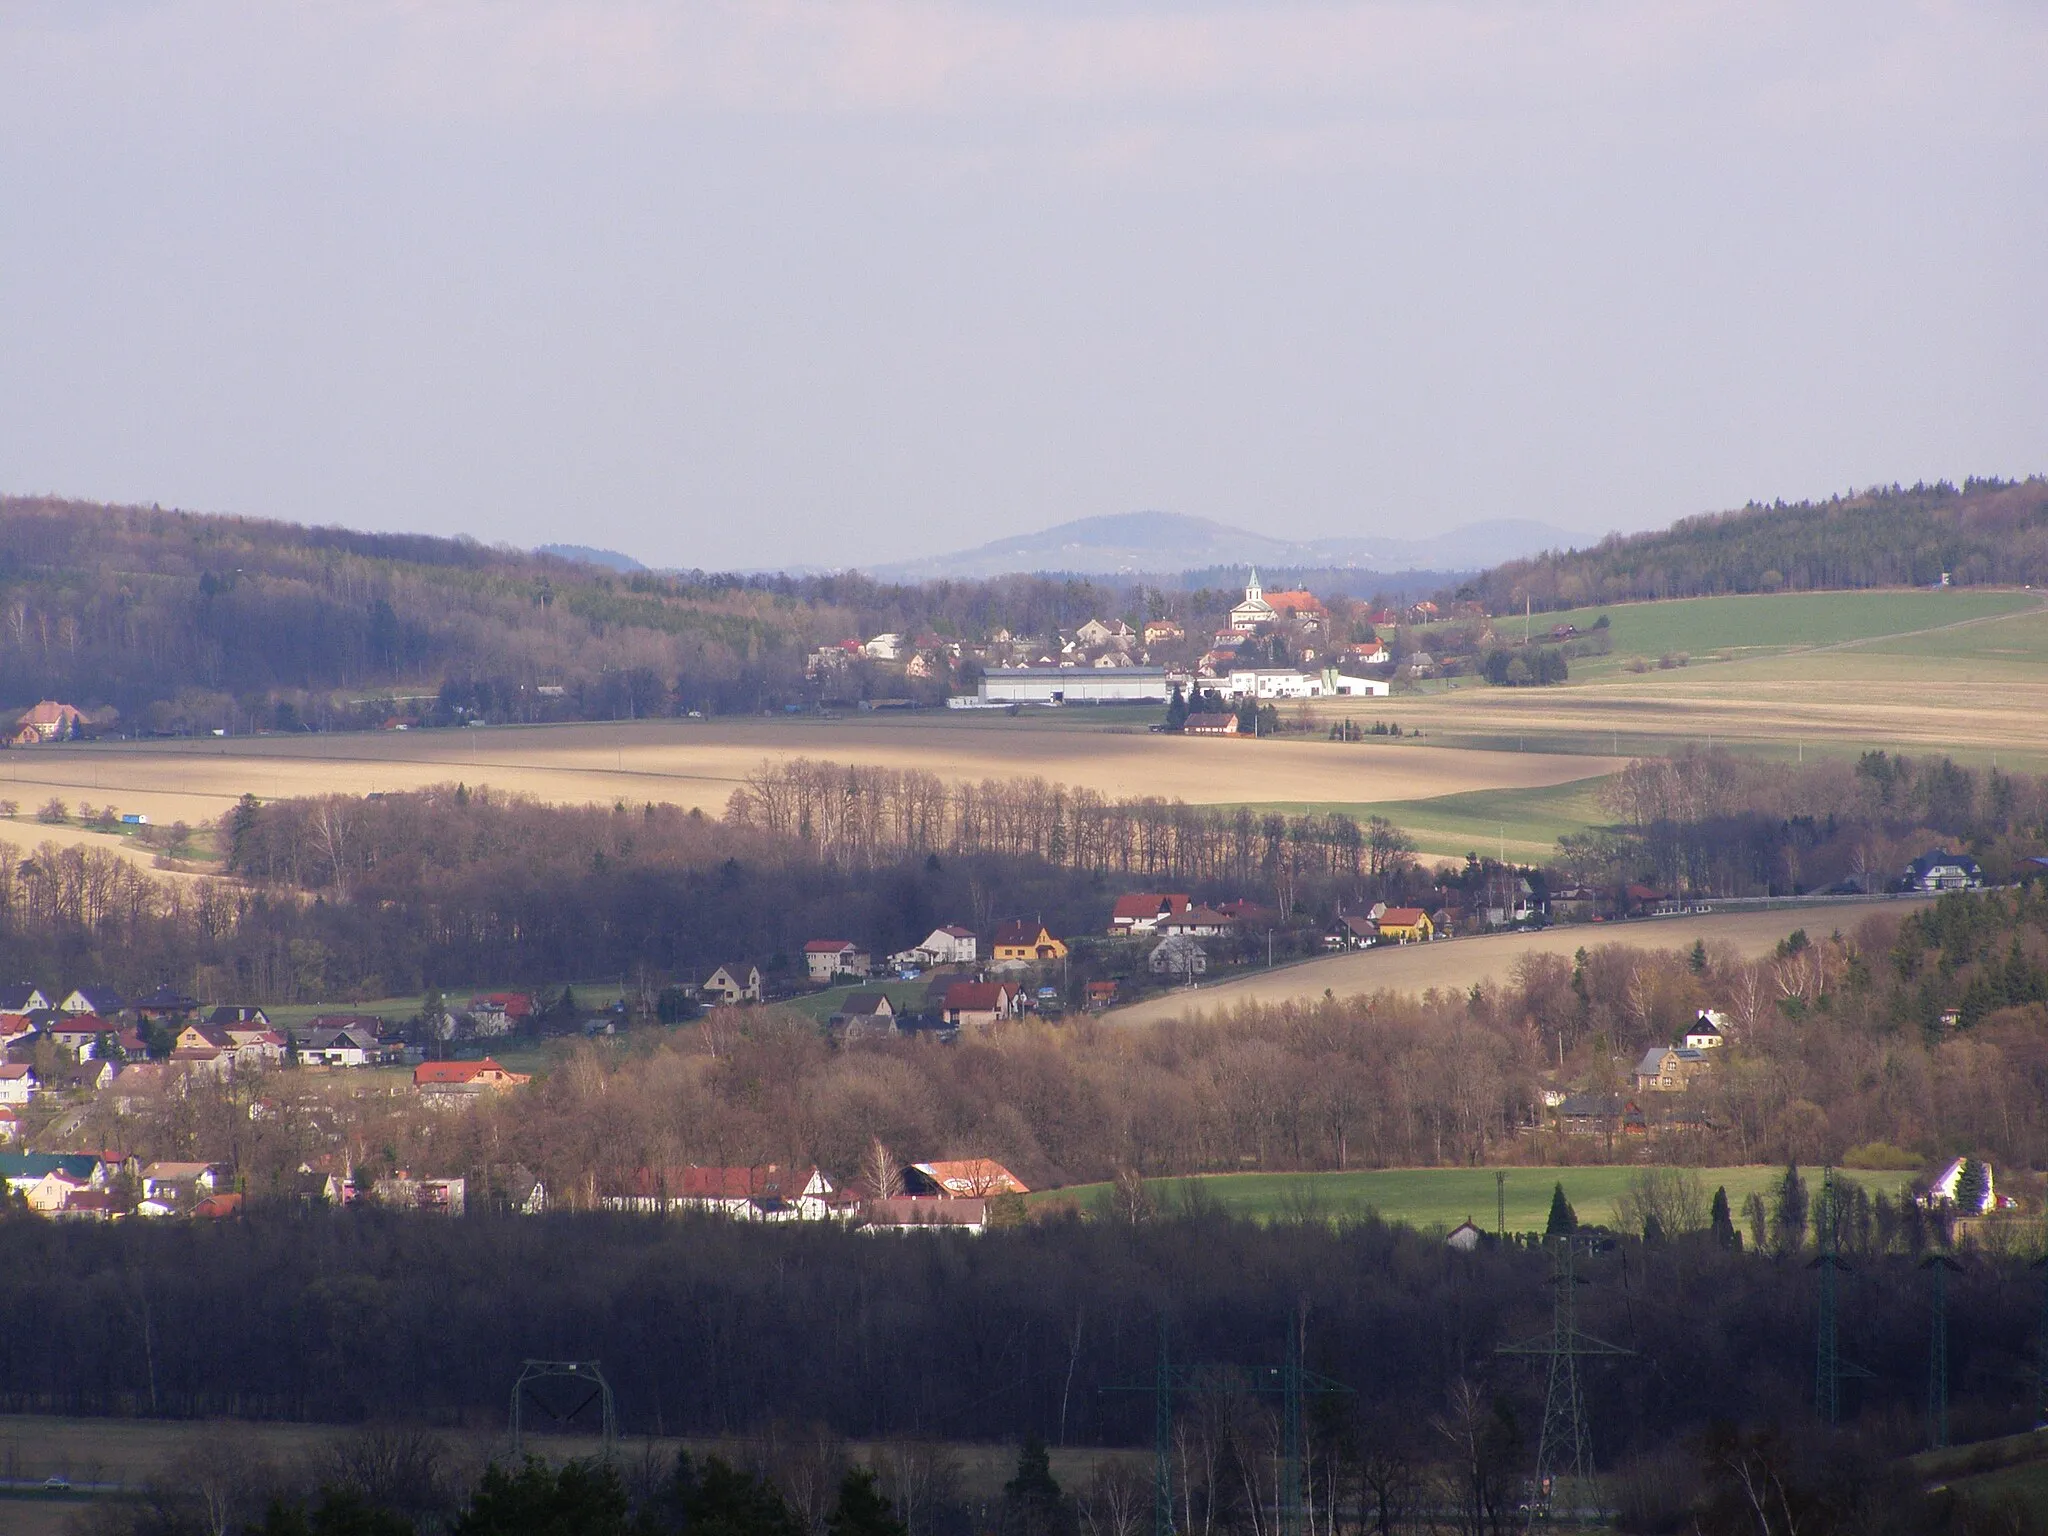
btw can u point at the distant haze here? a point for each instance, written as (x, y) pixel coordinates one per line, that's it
(763, 285)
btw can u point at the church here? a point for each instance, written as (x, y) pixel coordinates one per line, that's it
(1257, 608)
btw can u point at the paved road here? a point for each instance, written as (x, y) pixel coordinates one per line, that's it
(1460, 962)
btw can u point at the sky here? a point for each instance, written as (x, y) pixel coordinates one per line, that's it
(782, 283)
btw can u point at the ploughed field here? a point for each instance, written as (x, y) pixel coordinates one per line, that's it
(1457, 964)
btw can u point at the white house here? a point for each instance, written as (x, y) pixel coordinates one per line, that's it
(884, 647)
(349, 1045)
(1178, 956)
(1938, 870)
(104, 1001)
(1944, 1188)
(1708, 1031)
(22, 998)
(733, 982)
(166, 1182)
(826, 958)
(942, 946)
(18, 1084)
(1464, 1237)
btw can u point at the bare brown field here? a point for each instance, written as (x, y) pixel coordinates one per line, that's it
(1456, 964)
(692, 763)
(26, 835)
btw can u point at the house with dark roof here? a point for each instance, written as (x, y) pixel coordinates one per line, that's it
(22, 997)
(827, 958)
(1938, 870)
(865, 1016)
(1209, 723)
(761, 1192)
(1022, 943)
(104, 1001)
(166, 1003)
(238, 1017)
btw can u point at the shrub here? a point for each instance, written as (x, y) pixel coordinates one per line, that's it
(55, 812)
(1880, 1155)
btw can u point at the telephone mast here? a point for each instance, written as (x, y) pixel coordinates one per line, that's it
(1939, 1267)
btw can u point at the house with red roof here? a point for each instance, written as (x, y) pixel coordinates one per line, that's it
(1140, 911)
(457, 1083)
(969, 1004)
(827, 958)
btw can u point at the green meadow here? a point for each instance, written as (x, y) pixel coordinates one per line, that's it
(1441, 1197)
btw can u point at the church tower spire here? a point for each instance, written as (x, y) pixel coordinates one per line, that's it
(1253, 592)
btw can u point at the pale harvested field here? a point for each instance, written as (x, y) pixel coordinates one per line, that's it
(1455, 964)
(26, 834)
(699, 763)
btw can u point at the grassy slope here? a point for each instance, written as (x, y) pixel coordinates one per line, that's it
(1450, 826)
(1738, 628)
(1427, 1197)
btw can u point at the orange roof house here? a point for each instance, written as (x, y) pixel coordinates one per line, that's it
(962, 1178)
(466, 1074)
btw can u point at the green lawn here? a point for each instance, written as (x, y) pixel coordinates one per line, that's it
(1739, 627)
(1443, 1197)
(591, 997)
(1450, 826)
(904, 996)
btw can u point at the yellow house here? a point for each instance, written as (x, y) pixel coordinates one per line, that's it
(1026, 942)
(1406, 925)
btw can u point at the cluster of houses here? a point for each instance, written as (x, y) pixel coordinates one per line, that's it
(50, 720)
(954, 1195)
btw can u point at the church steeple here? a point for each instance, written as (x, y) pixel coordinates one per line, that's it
(1252, 591)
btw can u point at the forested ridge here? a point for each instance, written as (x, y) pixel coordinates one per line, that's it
(1985, 532)
(183, 622)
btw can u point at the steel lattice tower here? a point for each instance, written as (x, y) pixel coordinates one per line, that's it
(1162, 1440)
(1565, 1447)
(1938, 1266)
(1827, 1363)
(2041, 1347)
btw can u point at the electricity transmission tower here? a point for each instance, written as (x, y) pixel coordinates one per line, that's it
(2041, 1348)
(1938, 1266)
(1829, 1368)
(1565, 1448)
(1293, 1384)
(562, 1390)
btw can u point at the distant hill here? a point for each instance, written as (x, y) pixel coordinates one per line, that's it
(584, 554)
(1986, 532)
(1165, 543)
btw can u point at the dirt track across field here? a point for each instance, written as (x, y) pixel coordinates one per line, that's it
(1455, 964)
(699, 763)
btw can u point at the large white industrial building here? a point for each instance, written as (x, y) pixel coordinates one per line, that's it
(1068, 685)
(1286, 683)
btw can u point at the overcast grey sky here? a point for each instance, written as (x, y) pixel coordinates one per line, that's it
(776, 282)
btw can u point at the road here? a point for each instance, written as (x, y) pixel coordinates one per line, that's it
(1458, 963)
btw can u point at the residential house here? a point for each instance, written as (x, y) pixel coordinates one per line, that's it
(1424, 613)
(884, 647)
(974, 1178)
(765, 1192)
(1370, 653)
(218, 1207)
(1946, 1186)
(87, 1077)
(1407, 925)
(1178, 956)
(1249, 915)
(1209, 724)
(1194, 923)
(1935, 870)
(1022, 943)
(942, 946)
(347, 1045)
(827, 958)
(48, 1179)
(1706, 1032)
(452, 1084)
(1101, 994)
(971, 1003)
(10, 1125)
(173, 1185)
(18, 1084)
(1140, 911)
(1351, 930)
(80, 1033)
(734, 982)
(104, 1001)
(49, 1194)
(496, 1013)
(1303, 609)
(866, 1016)
(1464, 1237)
(15, 1029)
(1590, 1114)
(1667, 1069)
(238, 1017)
(22, 998)
(201, 1037)
(47, 721)
(165, 1003)
(1095, 634)
(1161, 631)
(433, 1197)
(317, 1187)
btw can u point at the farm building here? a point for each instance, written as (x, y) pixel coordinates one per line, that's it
(1071, 685)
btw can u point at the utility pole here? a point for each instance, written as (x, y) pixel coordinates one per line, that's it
(1829, 1368)
(1500, 1202)
(1938, 1267)
(2041, 1348)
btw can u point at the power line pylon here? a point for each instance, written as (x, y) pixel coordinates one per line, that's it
(1829, 1368)
(2041, 1345)
(562, 1390)
(1564, 1450)
(1938, 1266)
